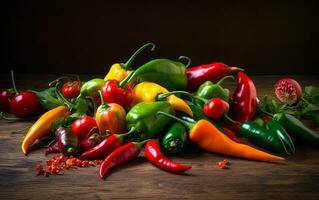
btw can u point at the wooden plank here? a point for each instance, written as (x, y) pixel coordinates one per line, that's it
(296, 178)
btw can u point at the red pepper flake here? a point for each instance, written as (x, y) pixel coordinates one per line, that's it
(223, 164)
(39, 169)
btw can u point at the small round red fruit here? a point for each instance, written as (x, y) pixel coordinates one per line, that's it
(288, 91)
(5, 98)
(24, 104)
(71, 89)
(84, 127)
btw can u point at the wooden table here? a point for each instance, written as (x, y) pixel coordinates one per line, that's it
(296, 178)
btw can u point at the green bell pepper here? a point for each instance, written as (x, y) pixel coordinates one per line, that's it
(91, 87)
(175, 139)
(143, 117)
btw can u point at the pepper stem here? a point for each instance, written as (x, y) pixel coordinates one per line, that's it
(224, 78)
(127, 79)
(122, 136)
(103, 102)
(139, 145)
(61, 97)
(187, 124)
(235, 69)
(230, 119)
(137, 52)
(189, 61)
(13, 83)
(163, 96)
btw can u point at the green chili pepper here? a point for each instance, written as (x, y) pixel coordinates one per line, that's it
(174, 141)
(209, 90)
(262, 137)
(297, 128)
(147, 124)
(167, 73)
(279, 131)
(91, 87)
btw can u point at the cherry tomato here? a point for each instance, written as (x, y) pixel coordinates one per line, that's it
(215, 108)
(24, 104)
(5, 98)
(71, 89)
(84, 127)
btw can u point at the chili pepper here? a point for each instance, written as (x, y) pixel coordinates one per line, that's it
(260, 122)
(232, 136)
(90, 142)
(212, 72)
(150, 92)
(207, 136)
(42, 126)
(111, 117)
(121, 155)
(107, 146)
(175, 139)
(216, 108)
(279, 131)
(209, 90)
(156, 157)
(83, 127)
(5, 98)
(297, 129)
(67, 141)
(91, 87)
(143, 117)
(119, 71)
(167, 73)
(71, 89)
(52, 149)
(263, 137)
(245, 98)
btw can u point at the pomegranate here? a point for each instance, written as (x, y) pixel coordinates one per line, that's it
(288, 91)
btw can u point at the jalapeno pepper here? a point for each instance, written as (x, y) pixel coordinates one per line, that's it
(175, 139)
(297, 129)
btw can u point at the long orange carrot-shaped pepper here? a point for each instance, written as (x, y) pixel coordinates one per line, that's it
(42, 126)
(208, 137)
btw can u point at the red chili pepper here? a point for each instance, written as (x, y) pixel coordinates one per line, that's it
(156, 157)
(114, 92)
(216, 108)
(234, 127)
(232, 136)
(245, 98)
(106, 147)
(121, 155)
(212, 72)
(71, 89)
(52, 149)
(90, 142)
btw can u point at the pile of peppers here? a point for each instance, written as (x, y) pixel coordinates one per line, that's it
(165, 107)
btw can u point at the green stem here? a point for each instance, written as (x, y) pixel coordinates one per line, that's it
(14, 119)
(13, 83)
(189, 61)
(137, 52)
(58, 80)
(61, 97)
(230, 119)
(103, 102)
(187, 124)
(122, 136)
(265, 112)
(140, 145)
(127, 79)
(162, 96)
(224, 78)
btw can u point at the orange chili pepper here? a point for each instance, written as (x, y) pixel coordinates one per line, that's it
(208, 137)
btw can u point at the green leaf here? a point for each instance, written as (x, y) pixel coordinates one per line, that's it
(48, 98)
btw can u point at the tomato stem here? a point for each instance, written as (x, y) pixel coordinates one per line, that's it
(13, 83)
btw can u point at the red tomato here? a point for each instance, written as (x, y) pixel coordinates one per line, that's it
(71, 89)
(84, 127)
(5, 98)
(24, 104)
(215, 108)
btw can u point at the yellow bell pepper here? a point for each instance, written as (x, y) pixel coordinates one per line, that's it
(148, 91)
(119, 71)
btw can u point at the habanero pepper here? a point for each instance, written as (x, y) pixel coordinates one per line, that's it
(297, 129)
(121, 155)
(156, 157)
(119, 71)
(208, 72)
(175, 139)
(207, 136)
(244, 98)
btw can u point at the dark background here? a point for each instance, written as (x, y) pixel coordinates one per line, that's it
(264, 37)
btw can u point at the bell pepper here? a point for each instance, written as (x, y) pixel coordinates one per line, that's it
(147, 124)
(42, 126)
(207, 136)
(119, 71)
(208, 72)
(244, 98)
(209, 90)
(91, 87)
(150, 92)
(167, 73)
(264, 138)
(110, 117)
(175, 139)
(297, 129)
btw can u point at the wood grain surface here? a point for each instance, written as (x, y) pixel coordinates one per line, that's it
(296, 178)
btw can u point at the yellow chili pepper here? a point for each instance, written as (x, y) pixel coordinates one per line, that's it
(119, 71)
(148, 92)
(42, 126)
